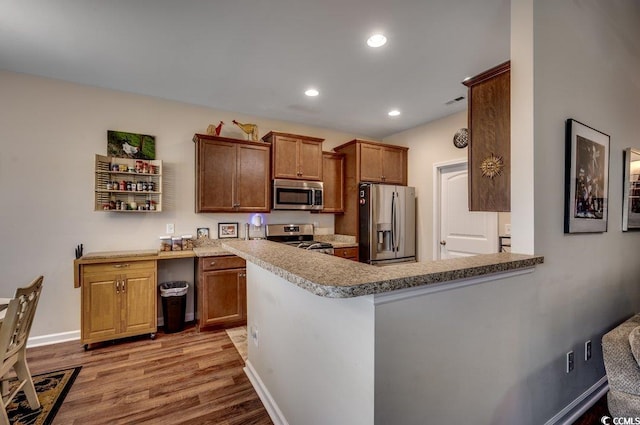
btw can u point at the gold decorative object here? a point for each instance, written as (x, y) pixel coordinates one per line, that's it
(492, 166)
(250, 129)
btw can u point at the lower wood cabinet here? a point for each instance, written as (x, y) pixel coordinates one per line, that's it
(221, 292)
(350, 253)
(118, 300)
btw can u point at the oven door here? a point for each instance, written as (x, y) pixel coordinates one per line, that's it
(297, 195)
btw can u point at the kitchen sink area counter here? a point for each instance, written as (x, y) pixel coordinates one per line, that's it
(333, 277)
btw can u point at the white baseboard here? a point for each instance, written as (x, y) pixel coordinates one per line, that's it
(269, 403)
(38, 341)
(577, 407)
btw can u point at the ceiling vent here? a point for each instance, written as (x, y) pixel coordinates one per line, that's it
(456, 100)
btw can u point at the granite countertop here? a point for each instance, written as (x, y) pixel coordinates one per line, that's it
(338, 241)
(334, 277)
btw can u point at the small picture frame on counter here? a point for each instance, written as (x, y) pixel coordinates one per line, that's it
(227, 230)
(202, 233)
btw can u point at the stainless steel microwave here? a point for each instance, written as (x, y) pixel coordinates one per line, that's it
(297, 195)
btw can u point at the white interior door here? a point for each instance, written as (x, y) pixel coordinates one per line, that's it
(462, 232)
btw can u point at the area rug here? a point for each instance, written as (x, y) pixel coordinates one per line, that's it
(52, 388)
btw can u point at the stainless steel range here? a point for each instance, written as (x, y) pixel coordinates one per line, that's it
(298, 235)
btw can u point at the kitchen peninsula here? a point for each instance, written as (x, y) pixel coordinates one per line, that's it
(334, 341)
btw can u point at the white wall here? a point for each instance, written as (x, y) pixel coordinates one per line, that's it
(586, 68)
(50, 132)
(315, 355)
(428, 144)
(496, 352)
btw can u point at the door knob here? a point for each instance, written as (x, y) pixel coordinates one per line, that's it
(443, 242)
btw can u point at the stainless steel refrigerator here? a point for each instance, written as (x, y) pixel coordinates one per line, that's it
(387, 220)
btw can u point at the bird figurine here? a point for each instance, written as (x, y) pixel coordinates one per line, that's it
(214, 131)
(250, 129)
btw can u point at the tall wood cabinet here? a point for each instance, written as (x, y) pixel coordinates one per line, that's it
(231, 175)
(367, 161)
(118, 300)
(295, 157)
(333, 179)
(490, 140)
(221, 292)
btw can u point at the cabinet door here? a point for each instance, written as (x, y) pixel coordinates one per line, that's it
(215, 176)
(490, 138)
(223, 297)
(139, 302)
(310, 160)
(370, 163)
(253, 185)
(333, 178)
(285, 157)
(393, 165)
(101, 318)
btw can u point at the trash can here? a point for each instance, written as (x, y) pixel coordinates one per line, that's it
(174, 305)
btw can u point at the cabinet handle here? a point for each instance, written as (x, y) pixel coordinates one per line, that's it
(117, 286)
(211, 264)
(120, 266)
(124, 288)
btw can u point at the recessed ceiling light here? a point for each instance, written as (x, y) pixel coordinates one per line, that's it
(377, 40)
(312, 92)
(394, 113)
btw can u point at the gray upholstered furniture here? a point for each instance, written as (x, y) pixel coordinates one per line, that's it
(622, 367)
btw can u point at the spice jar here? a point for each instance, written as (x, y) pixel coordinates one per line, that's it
(165, 243)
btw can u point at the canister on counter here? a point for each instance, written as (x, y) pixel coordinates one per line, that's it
(165, 243)
(176, 243)
(187, 242)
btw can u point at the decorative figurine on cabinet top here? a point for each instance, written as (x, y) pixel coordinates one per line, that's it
(214, 131)
(250, 129)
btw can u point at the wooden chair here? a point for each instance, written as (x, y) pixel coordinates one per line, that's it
(14, 332)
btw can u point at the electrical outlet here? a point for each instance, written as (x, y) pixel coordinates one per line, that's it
(170, 229)
(507, 229)
(570, 361)
(587, 351)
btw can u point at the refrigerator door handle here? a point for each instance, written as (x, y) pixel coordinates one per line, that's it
(396, 224)
(394, 235)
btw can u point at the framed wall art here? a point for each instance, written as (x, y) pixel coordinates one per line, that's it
(121, 144)
(586, 179)
(227, 230)
(202, 233)
(631, 192)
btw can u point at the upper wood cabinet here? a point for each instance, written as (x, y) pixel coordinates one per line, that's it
(231, 175)
(295, 157)
(367, 161)
(333, 178)
(376, 162)
(490, 140)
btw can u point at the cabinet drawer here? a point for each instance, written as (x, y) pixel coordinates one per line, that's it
(120, 266)
(221, 263)
(350, 253)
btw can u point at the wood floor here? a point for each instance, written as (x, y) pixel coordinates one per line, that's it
(182, 378)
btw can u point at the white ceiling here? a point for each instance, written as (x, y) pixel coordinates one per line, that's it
(257, 57)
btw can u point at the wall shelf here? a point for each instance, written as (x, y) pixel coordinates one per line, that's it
(141, 180)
